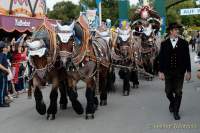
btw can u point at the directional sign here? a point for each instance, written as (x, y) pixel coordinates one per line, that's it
(190, 11)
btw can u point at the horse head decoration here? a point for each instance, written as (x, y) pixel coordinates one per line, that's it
(122, 47)
(124, 43)
(65, 35)
(147, 29)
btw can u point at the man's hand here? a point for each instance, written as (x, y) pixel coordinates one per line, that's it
(7, 72)
(188, 76)
(161, 76)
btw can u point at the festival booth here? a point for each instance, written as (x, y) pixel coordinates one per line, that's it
(22, 15)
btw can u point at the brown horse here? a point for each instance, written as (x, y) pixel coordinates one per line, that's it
(47, 68)
(87, 59)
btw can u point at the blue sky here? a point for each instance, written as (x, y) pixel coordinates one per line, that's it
(50, 3)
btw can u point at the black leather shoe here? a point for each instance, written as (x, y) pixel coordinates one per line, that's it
(4, 105)
(176, 116)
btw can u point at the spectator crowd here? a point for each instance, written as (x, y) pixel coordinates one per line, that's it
(14, 69)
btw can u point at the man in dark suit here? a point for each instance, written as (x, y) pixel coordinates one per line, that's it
(175, 63)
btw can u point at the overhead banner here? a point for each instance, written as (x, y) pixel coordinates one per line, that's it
(190, 11)
(21, 24)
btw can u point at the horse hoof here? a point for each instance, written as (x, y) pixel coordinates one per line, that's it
(41, 108)
(63, 106)
(48, 115)
(89, 116)
(51, 117)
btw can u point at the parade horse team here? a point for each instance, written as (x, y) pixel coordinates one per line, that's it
(64, 54)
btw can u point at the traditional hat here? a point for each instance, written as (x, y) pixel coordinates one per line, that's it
(174, 26)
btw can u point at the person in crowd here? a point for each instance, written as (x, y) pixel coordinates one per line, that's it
(198, 43)
(10, 57)
(10, 76)
(193, 42)
(3, 74)
(174, 58)
(17, 60)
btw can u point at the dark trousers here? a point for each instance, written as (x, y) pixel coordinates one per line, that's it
(3, 88)
(10, 87)
(20, 85)
(173, 88)
(193, 46)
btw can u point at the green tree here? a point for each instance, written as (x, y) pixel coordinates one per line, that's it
(110, 10)
(65, 11)
(90, 3)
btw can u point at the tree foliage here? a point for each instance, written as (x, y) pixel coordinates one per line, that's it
(110, 10)
(65, 11)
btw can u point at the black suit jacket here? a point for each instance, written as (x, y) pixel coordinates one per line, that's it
(182, 58)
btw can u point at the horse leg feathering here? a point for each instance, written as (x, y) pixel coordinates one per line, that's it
(40, 105)
(52, 110)
(63, 96)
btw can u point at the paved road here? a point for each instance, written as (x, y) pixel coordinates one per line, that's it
(144, 111)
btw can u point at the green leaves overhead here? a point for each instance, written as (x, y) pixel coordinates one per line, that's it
(65, 11)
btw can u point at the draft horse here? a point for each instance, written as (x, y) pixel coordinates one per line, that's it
(87, 59)
(46, 68)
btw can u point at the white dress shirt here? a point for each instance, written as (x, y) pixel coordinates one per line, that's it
(174, 41)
